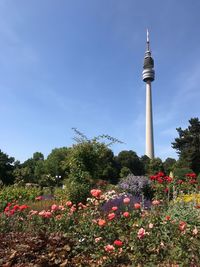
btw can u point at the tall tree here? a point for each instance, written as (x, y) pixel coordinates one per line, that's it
(6, 168)
(130, 160)
(187, 145)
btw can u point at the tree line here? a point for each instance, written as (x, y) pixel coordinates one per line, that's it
(92, 159)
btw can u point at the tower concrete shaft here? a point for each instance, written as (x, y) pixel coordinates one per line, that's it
(149, 122)
(148, 76)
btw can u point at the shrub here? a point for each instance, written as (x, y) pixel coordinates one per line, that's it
(136, 185)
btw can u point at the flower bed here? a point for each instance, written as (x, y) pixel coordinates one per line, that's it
(70, 234)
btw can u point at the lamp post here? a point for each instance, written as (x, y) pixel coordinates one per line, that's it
(57, 179)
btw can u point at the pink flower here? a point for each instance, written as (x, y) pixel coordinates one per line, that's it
(137, 206)
(114, 208)
(151, 225)
(33, 212)
(54, 207)
(166, 190)
(126, 200)
(109, 248)
(47, 214)
(118, 243)
(141, 233)
(101, 222)
(97, 239)
(69, 204)
(38, 198)
(111, 216)
(195, 231)
(126, 214)
(96, 193)
(155, 202)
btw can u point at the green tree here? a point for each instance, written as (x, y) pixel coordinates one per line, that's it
(155, 166)
(130, 160)
(57, 162)
(6, 168)
(187, 145)
(169, 165)
(145, 162)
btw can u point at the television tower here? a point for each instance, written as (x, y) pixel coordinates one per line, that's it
(148, 75)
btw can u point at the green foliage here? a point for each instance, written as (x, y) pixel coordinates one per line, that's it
(77, 191)
(6, 168)
(169, 165)
(155, 166)
(130, 160)
(182, 211)
(20, 194)
(125, 171)
(187, 144)
(179, 173)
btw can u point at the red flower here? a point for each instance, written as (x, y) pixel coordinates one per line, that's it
(167, 218)
(118, 243)
(114, 208)
(159, 180)
(180, 182)
(96, 193)
(182, 226)
(160, 174)
(111, 216)
(166, 190)
(137, 206)
(126, 214)
(23, 207)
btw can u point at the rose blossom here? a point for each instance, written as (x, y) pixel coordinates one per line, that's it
(141, 233)
(137, 206)
(155, 202)
(109, 248)
(182, 226)
(101, 222)
(54, 207)
(118, 243)
(69, 204)
(126, 214)
(111, 216)
(195, 231)
(97, 239)
(151, 225)
(114, 208)
(96, 193)
(126, 200)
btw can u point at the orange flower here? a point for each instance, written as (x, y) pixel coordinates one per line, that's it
(101, 222)
(96, 193)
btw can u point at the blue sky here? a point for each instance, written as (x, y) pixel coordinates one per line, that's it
(78, 63)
